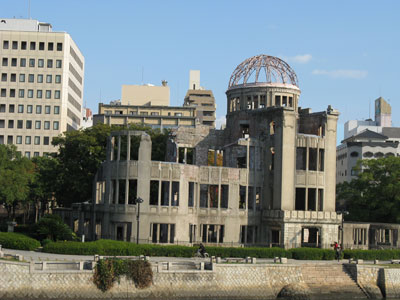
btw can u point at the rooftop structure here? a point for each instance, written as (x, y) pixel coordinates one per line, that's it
(147, 94)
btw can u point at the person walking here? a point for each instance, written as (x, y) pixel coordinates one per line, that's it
(336, 248)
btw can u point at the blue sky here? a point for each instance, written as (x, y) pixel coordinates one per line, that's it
(345, 53)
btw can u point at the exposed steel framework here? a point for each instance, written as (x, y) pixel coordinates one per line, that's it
(275, 69)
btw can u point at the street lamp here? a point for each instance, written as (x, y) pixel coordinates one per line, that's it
(343, 213)
(138, 201)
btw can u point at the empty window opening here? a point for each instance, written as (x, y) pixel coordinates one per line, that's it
(165, 193)
(192, 233)
(175, 193)
(242, 197)
(272, 128)
(277, 100)
(310, 237)
(290, 101)
(212, 233)
(272, 159)
(300, 201)
(311, 199)
(132, 191)
(320, 199)
(191, 194)
(321, 160)
(224, 195)
(181, 155)
(250, 201)
(203, 195)
(154, 187)
(244, 129)
(213, 195)
(248, 234)
(135, 144)
(248, 106)
(284, 101)
(301, 158)
(215, 158)
(241, 162)
(121, 191)
(275, 237)
(120, 233)
(258, 198)
(312, 159)
(163, 233)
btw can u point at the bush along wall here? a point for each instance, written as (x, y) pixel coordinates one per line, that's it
(12, 240)
(107, 271)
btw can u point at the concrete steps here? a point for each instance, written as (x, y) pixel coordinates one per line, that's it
(331, 280)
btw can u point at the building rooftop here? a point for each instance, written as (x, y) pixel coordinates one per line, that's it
(24, 25)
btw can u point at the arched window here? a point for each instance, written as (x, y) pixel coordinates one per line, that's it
(368, 154)
(378, 155)
(354, 154)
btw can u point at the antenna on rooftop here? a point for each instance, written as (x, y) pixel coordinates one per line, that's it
(369, 109)
(142, 74)
(29, 9)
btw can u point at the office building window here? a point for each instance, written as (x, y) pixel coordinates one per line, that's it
(20, 124)
(31, 62)
(15, 45)
(21, 93)
(37, 140)
(28, 124)
(59, 46)
(5, 62)
(40, 78)
(40, 63)
(41, 46)
(27, 140)
(11, 108)
(19, 139)
(21, 77)
(13, 77)
(9, 139)
(2, 108)
(32, 46)
(22, 62)
(39, 94)
(38, 109)
(27, 154)
(46, 140)
(56, 110)
(20, 108)
(58, 78)
(35, 154)
(31, 78)
(50, 46)
(5, 44)
(48, 94)
(30, 93)
(23, 45)
(49, 78)
(12, 93)
(3, 76)
(10, 123)
(3, 93)
(46, 125)
(55, 125)
(29, 109)
(1, 139)
(58, 63)
(13, 62)
(57, 94)
(2, 124)
(47, 109)
(38, 124)
(49, 63)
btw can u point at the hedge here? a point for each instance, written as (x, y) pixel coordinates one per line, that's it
(12, 240)
(373, 254)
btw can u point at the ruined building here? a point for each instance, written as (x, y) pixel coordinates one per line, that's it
(267, 179)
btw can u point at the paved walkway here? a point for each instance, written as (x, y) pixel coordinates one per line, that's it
(41, 256)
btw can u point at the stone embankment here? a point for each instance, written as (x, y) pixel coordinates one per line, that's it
(173, 280)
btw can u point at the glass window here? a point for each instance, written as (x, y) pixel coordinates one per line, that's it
(3, 76)
(30, 93)
(31, 78)
(29, 109)
(49, 78)
(37, 124)
(55, 125)
(41, 46)
(48, 94)
(22, 62)
(5, 44)
(37, 140)
(20, 124)
(13, 77)
(5, 62)
(58, 78)
(3, 92)
(21, 77)
(40, 63)
(12, 93)
(57, 94)
(13, 62)
(19, 139)
(32, 46)
(56, 110)
(50, 46)
(27, 153)
(40, 78)
(46, 125)
(27, 140)
(47, 109)
(35, 154)
(32, 62)
(38, 109)
(21, 93)
(39, 94)
(20, 108)
(58, 63)
(46, 140)
(15, 45)
(23, 45)
(28, 124)
(2, 108)
(59, 46)
(49, 63)
(11, 108)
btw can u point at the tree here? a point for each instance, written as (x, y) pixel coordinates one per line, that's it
(16, 172)
(82, 151)
(374, 196)
(52, 227)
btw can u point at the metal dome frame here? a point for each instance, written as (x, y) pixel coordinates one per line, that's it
(276, 71)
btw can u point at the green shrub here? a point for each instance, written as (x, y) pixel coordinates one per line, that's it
(52, 227)
(312, 254)
(45, 242)
(18, 241)
(107, 271)
(373, 254)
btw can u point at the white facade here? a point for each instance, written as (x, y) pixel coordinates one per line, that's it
(41, 87)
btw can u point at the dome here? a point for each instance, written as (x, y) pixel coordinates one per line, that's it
(252, 71)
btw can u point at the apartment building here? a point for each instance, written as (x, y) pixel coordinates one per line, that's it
(41, 85)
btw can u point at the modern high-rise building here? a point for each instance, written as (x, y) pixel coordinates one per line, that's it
(41, 87)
